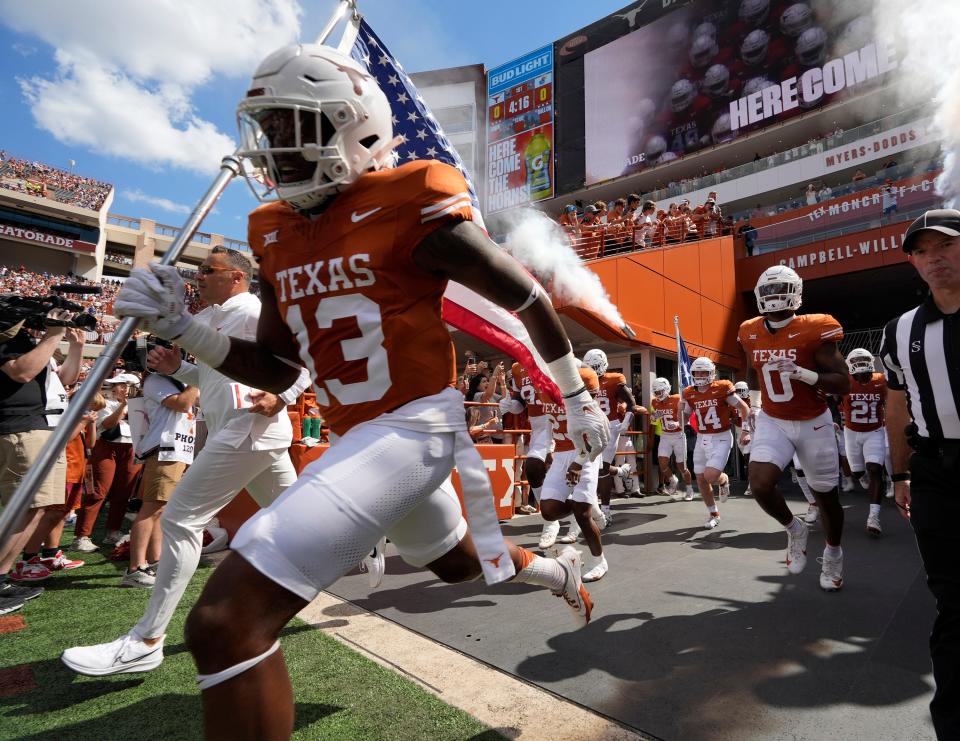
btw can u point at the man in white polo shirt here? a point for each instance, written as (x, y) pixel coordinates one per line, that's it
(245, 448)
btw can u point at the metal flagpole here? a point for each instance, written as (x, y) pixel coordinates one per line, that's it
(20, 501)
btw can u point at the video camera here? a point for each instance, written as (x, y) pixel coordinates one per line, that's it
(33, 310)
(134, 355)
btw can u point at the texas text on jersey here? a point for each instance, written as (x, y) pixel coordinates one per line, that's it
(799, 341)
(711, 405)
(558, 415)
(863, 407)
(607, 395)
(520, 383)
(365, 316)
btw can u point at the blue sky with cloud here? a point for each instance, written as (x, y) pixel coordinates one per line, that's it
(141, 93)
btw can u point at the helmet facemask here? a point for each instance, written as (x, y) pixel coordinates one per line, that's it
(778, 296)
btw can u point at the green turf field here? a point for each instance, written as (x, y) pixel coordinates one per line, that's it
(339, 693)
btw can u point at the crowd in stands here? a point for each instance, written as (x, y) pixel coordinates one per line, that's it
(38, 179)
(118, 258)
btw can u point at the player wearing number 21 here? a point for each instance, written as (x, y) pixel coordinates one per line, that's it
(712, 401)
(795, 360)
(355, 255)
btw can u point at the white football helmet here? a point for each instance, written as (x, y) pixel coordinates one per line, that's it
(753, 50)
(754, 12)
(741, 389)
(660, 388)
(860, 361)
(721, 133)
(811, 48)
(755, 85)
(703, 50)
(796, 19)
(706, 29)
(667, 157)
(681, 95)
(656, 146)
(779, 288)
(716, 80)
(312, 122)
(596, 359)
(703, 371)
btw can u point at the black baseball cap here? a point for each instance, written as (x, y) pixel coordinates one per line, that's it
(943, 220)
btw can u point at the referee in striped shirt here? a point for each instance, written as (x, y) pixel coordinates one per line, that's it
(921, 352)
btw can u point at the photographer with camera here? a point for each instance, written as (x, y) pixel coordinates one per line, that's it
(32, 400)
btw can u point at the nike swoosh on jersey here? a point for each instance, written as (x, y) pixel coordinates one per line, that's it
(355, 217)
(795, 334)
(819, 428)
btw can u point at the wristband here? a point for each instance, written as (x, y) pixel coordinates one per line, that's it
(808, 377)
(898, 477)
(566, 375)
(205, 343)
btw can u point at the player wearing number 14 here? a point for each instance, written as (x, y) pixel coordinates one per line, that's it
(794, 360)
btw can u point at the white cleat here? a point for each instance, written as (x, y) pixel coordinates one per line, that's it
(747, 492)
(812, 515)
(574, 593)
(375, 563)
(671, 487)
(847, 484)
(712, 522)
(831, 573)
(873, 525)
(725, 489)
(594, 568)
(688, 495)
(797, 550)
(548, 536)
(125, 655)
(572, 533)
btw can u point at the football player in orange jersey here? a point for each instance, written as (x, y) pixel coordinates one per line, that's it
(673, 441)
(793, 359)
(570, 486)
(864, 434)
(354, 259)
(713, 401)
(613, 389)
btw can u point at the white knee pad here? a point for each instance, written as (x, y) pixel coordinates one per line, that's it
(206, 681)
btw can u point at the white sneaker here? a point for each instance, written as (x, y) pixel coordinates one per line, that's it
(138, 578)
(124, 655)
(831, 573)
(594, 568)
(712, 522)
(725, 491)
(688, 495)
(71, 519)
(847, 484)
(573, 532)
(548, 536)
(83, 544)
(672, 485)
(747, 492)
(812, 515)
(797, 550)
(873, 525)
(574, 593)
(375, 563)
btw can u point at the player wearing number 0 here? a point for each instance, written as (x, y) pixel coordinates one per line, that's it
(673, 441)
(354, 260)
(794, 360)
(864, 435)
(713, 402)
(613, 389)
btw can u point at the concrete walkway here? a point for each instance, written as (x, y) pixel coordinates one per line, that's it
(696, 634)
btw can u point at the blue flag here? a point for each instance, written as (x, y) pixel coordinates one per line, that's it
(423, 137)
(684, 377)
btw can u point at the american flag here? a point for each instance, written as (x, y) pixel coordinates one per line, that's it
(684, 376)
(423, 137)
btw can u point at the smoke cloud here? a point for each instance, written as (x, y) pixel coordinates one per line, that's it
(925, 33)
(542, 247)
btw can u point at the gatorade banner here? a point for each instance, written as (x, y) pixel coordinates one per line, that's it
(520, 131)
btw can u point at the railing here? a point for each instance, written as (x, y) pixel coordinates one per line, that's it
(123, 221)
(236, 244)
(799, 152)
(592, 243)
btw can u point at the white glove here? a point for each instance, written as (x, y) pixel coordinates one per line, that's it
(794, 371)
(156, 296)
(509, 405)
(586, 425)
(671, 425)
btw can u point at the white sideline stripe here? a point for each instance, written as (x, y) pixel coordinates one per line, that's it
(440, 204)
(494, 697)
(449, 209)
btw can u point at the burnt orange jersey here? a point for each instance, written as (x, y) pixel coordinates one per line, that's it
(520, 382)
(711, 406)
(668, 410)
(863, 407)
(784, 398)
(365, 316)
(557, 413)
(607, 395)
